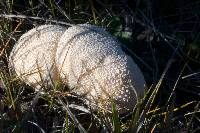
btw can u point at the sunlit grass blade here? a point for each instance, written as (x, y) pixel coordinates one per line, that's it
(115, 119)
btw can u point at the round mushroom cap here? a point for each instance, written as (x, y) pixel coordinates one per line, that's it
(33, 55)
(93, 64)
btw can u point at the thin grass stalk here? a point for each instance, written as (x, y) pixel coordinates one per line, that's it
(189, 124)
(135, 119)
(52, 8)
(34, 18)
(64, 13)
(8, 41)
(93, 11)
(66, 122)
(38, 126)
(32, 6)
(75, 120)
(153, 95)
(115, 119)
(175, 85)
(10, 5)
(7, 85)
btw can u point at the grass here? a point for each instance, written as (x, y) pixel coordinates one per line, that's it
(165, 43)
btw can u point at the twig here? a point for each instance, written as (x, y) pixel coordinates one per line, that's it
(34, 18)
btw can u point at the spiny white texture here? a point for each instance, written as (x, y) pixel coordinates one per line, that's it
(92, 61)
(33, 57)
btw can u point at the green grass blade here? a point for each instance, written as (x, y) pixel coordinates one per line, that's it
(115, 119)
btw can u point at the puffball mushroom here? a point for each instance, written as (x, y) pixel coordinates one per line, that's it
(86, 58)
(92, 62)
(33, 55)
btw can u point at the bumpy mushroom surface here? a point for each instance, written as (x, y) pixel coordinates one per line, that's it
(92, 62)
(33, 55)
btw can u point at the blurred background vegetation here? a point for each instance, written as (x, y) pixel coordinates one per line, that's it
(161, 35)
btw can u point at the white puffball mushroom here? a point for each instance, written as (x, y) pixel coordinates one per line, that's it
(33, 56)
(86, 58)
(92, 62)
